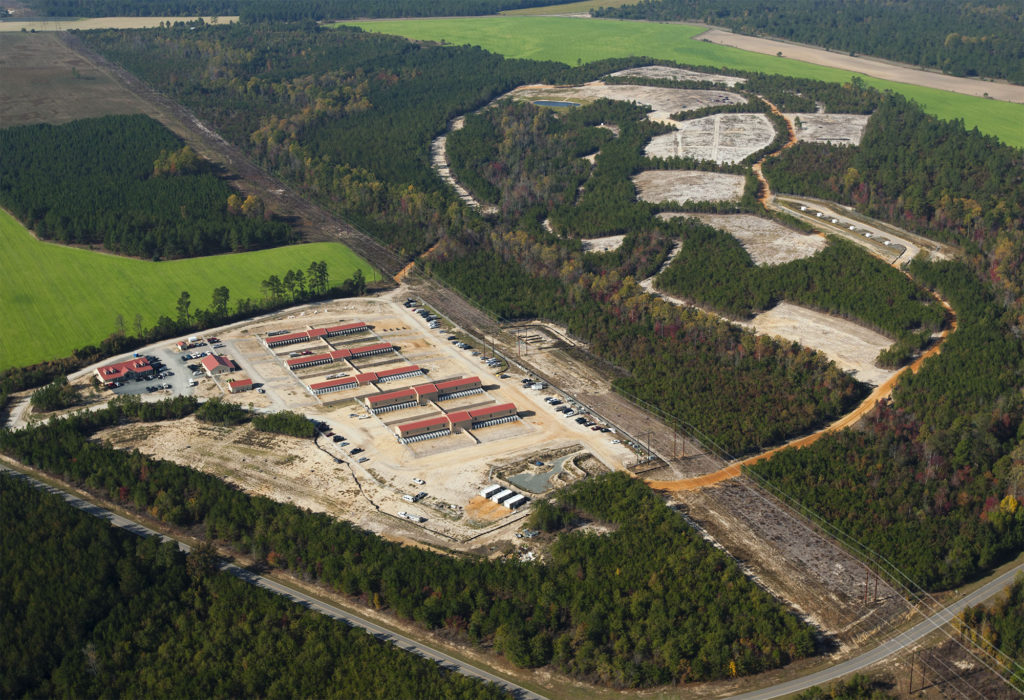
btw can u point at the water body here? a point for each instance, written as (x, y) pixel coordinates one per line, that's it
(539, 483)
(550, 103)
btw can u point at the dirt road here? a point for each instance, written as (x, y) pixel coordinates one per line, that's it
(875, 67)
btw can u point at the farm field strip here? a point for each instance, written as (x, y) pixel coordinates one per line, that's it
(571, 40)
(56, 299)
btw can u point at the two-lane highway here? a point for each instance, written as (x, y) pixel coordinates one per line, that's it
(293, 594)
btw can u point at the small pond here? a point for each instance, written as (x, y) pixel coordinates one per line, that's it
(550, 103)
(539, 483)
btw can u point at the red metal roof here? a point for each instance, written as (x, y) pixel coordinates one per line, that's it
(459, 417)
(316, 333)
(289, 336)
(398, 370)
(367, 377)
(456, 383)
(308, 358)
(110, 373)
(211, 362)
(371, 348)
(489, 410)
(425, 389)
(426, 423)
(234, 384)
(340, 354)
(334, 382)
(401, 393)
(347, 326)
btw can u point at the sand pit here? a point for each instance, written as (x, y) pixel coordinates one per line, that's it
(851, 346)
(663, 101)
(682, 74)
(768, 242)
(723, 138)
(829, 128)
(687, 186)
(602, 245)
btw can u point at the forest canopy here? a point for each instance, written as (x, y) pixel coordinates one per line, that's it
(130, 185)
(980, 38)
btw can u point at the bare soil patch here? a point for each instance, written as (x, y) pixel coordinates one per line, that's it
(671, 73)
(602, 245)
(768, 242)
(61, 25)
(851, 346)
(663, 101)
(723, 138)
(687, 186)
(829, 128)
(875, 67)
(46, 82)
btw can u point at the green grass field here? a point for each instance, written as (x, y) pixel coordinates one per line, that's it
(570, 7)
(55, 299)
(570, 40)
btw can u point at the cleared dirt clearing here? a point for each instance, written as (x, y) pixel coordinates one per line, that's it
(602, 245)
(687, 186)
(829, 128)
(768, 242)
(663, 101)
(43, 81)
(723, 138)
(851, 346)
(62, 25)
(670, 73)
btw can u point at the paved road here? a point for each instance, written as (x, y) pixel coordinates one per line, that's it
(892, 646)
(293, 594)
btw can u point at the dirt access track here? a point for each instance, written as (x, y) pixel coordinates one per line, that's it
(875, 67)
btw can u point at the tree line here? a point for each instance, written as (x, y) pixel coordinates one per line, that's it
(983, 38)
(651, 603)
(125, 182)
(268, 10)
(91, 610)
(930, 176)
(936, 466)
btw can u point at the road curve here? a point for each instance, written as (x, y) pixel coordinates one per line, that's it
(382, 633)
(890, 646)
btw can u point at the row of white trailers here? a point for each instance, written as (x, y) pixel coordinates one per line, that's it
(506, 497)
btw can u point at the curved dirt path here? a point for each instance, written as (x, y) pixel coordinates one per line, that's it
(883, 391)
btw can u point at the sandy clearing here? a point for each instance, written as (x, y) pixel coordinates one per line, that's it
(876, 68)
(663, 101)
(829, 128)
(439, 161)
(602, 245)
(63, 25)
(851, 346)
(687, 186)
(723, 138)
(682, 74)
(768, 242)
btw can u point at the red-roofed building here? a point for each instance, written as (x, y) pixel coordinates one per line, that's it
(423, 429)
(489, 413)
(286, 339)
(347, 329)
(129, 369)
(391, 401)
(339, 384)
(375, 349)
(390, 375)
(425, 392)
(218, 364)
(459, 421)
(309, 361)
(456, 388)
(240, 385)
